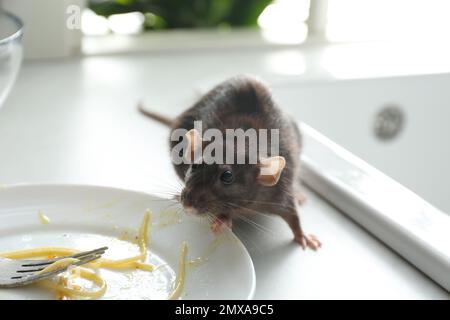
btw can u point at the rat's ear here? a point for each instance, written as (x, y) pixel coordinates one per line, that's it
(193, 146)
(270, 170)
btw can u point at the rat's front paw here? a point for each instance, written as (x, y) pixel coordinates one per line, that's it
(219, 225)
(309, 241)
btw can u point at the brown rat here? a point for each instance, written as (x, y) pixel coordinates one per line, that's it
(223, 191)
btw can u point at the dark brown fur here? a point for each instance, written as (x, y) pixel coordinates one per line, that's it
(242, 102)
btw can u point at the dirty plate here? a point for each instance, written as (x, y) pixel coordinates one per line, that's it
(87, 217)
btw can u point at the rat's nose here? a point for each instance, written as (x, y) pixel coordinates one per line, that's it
(188, 203)
(193, 203)
(190, 210)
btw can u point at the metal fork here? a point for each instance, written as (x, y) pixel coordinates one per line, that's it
(17, 273)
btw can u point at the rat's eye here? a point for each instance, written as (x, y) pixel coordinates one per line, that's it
(227, 177)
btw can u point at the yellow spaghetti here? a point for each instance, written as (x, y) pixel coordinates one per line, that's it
(60, 264)
(65, 289)
(179, 281)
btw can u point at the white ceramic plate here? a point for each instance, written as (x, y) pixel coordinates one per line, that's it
(87, 217)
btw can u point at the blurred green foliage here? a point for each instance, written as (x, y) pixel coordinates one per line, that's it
(171, 14)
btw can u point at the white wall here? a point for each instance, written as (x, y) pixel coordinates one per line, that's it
(46, 33)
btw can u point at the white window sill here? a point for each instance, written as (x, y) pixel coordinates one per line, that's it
(181, 41)
(402, 220)
(320, 59)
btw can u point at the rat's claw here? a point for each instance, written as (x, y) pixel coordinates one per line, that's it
(314, 239)
(312, 242)
(309, 241)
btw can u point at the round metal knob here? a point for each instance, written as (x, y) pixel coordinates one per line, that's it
(389, 122)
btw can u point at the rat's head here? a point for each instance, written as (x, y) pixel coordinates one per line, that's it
(222, 189)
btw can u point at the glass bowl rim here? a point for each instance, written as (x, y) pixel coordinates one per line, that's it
(18, 23)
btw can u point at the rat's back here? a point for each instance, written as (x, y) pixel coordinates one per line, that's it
(246, 103)
(240, 102)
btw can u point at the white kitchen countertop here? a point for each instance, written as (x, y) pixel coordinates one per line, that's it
(75, 121)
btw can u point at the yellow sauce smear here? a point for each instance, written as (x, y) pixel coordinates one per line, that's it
(168, 218)
(205, 256)
(65, 290)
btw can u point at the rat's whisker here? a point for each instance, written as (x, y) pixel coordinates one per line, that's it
(173, 204)
(162, 200)
(180, 184)
(251, 223)
(166, 195)
(255, 224)
(277, 204)
(210, 217)
(241, 234)
(261, 214)
(160, 183)
(171, 192)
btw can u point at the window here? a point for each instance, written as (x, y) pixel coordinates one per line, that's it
(362, 20)
(288, 22)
